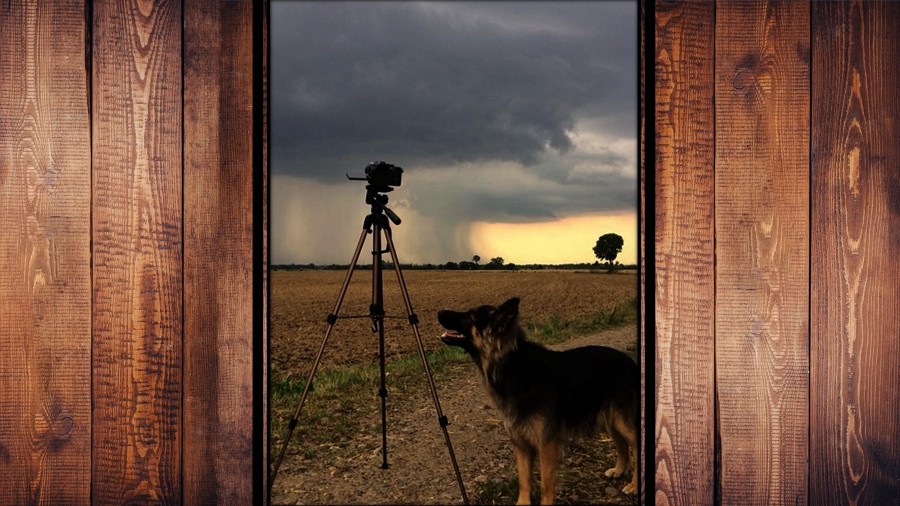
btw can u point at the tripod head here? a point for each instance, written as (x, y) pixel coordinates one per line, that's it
(382, 178)
(378, 201)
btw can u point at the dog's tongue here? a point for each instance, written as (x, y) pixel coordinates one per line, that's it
(452, 334)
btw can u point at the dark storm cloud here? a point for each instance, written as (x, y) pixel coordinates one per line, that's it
(512, 195)
(431, 85)
(498, 112)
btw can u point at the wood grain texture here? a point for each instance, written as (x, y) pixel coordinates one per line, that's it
(45, 284)
(855, 294)
(266, 335)
(762, 251)
(137, 252)
(218, 272)
(684, 253)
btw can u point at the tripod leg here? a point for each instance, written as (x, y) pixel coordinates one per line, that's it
(332, 318)
(376, 310)
(414, 320)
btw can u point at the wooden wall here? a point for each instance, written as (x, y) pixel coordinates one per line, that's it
(131, 252)
(777, 232)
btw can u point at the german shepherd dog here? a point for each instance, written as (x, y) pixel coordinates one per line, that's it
(546, 397)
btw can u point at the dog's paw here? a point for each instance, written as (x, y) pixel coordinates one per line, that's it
(613, 472)
(629, 489)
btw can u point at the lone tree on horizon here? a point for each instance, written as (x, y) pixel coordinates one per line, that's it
(608, 248)
(476, 259)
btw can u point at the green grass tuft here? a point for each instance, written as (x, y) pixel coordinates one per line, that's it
(555, 329)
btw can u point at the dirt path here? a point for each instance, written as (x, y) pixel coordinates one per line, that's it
(419, 470)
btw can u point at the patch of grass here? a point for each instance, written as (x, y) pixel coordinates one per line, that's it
(337, 403)
(330, 412)
(407, 370)
(502, 490)
(556, 329)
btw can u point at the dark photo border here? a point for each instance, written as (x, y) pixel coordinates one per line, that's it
(646, 329)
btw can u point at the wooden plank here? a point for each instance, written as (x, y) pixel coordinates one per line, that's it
(762, 251)
(218, 224)
(855, 295)
(45, 284)
(137, 254)
(684, 253)
(266, 336)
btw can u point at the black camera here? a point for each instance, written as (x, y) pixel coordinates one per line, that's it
(383, 174)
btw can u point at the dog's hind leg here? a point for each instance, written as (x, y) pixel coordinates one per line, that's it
(524, 461)
(622, 456)
(549, 460)
(624, 436)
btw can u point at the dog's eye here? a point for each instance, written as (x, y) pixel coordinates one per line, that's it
(482, 317)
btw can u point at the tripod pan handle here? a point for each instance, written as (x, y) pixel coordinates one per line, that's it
(394, 218)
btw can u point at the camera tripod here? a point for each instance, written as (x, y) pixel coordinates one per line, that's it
(376, 223)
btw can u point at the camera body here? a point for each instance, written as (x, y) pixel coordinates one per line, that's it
(383, 174)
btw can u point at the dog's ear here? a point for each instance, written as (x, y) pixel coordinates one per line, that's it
(507, 314)
(511, 306)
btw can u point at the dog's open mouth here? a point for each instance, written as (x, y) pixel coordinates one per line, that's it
(451, 337)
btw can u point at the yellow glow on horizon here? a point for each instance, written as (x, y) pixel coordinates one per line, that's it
(567, 240)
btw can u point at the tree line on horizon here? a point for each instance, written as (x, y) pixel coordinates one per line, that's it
(607, 248)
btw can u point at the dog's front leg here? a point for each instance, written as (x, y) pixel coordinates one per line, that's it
(549, 456)
(524, 459)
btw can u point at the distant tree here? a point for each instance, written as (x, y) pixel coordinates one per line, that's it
(467, 266)
(476, 259)
(608, 247)
(451, 266)
(495, 263)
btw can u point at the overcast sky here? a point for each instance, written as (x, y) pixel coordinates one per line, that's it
(499, 113)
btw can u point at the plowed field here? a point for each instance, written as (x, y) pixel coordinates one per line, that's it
(301, 300)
